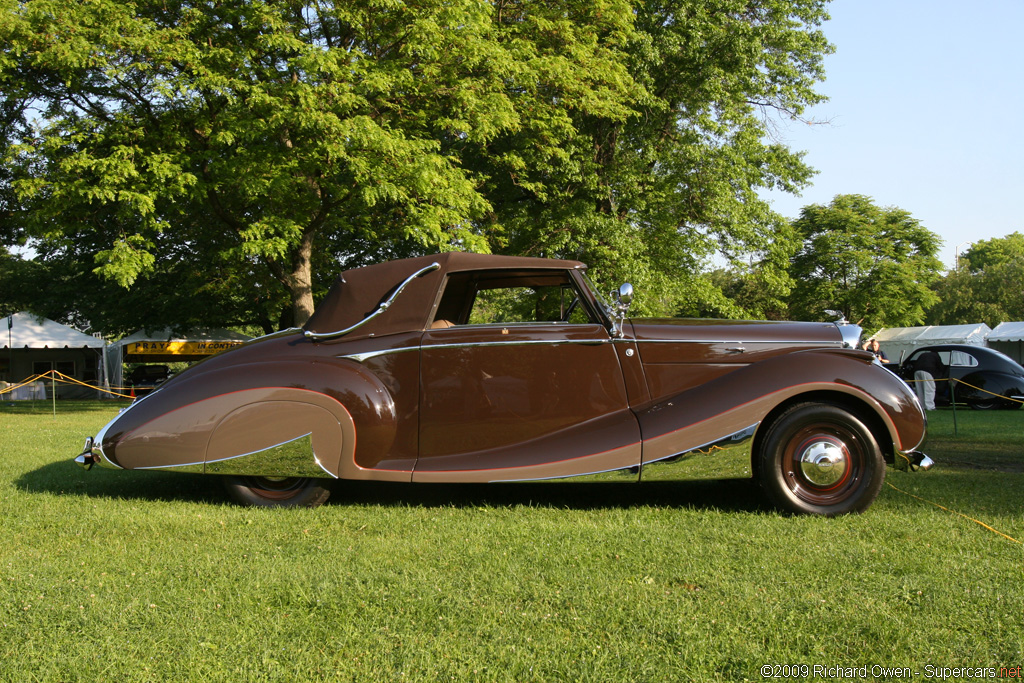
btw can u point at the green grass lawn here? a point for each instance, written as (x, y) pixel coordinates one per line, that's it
(151, 576)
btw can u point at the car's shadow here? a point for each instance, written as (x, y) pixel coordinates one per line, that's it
(731, 495)
(66, 478)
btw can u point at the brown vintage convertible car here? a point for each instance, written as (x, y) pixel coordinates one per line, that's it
(471, 368)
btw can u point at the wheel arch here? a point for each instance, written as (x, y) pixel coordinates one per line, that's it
(857, 406)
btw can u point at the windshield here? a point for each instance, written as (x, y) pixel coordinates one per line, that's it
(602, 301)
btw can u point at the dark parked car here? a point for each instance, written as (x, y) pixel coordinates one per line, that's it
(980, 377)
(144, 378)
(470, 368)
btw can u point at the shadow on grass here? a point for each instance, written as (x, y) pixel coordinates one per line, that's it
(732, 495)
(67, 478)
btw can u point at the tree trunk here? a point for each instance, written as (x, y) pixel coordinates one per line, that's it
(300, 280)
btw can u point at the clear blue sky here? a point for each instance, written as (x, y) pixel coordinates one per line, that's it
(926, 113)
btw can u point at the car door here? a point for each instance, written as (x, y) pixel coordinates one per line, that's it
(524, 384)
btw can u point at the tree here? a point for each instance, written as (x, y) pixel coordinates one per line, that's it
(258, 143)
(265, 130)
(652, 196)
(874, 265)
(986, 288)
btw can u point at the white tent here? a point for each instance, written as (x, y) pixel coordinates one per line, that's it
(34, 345)
(1008, 338)
(898, 342)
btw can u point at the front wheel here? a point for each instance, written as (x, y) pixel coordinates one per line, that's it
(818, 458)
(271, 492)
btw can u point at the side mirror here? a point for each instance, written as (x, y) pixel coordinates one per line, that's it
(623, 298)
(625, 294)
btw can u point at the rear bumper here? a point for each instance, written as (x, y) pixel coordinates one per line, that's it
(93, 454)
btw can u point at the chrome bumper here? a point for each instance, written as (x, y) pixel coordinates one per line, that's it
(92, 454)
(85, 458)
(912, 461)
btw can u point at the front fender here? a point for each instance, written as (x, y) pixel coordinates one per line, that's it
(986, 386)
(737, 401)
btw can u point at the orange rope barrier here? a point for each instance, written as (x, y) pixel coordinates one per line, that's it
(966, 384)
(923, 500)
(72, 380)
(64, 379)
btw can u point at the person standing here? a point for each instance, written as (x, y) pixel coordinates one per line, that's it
(873, 346)
(926, 367)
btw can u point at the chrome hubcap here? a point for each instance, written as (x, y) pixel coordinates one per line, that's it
(823, 462)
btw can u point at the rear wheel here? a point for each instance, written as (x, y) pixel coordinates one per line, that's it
(277, 491)
(987, 402)
(819, 458)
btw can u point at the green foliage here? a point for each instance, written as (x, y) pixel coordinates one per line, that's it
(983, 289)
(272, 142)
(759, 291)
(986, 254)
(652, 196)
(875, 265)
(274, 127)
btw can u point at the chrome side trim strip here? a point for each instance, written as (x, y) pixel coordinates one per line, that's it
(724, 458)
(787, 342)
(620, 474)
(360, 357)
(193, 467)
(319, 336)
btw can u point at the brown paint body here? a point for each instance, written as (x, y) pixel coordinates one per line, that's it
(406, 398)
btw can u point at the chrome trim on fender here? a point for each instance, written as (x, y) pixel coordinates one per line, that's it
(725, 458)
(360, 357)
(293, 458)
(189, 467)
(98, 456)
(787, 342)
(319, 336)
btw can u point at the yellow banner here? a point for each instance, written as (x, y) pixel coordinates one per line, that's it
(179, 348)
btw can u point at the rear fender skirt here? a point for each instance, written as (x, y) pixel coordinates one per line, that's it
(297, 457)
(271, 431)
(238, 416)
